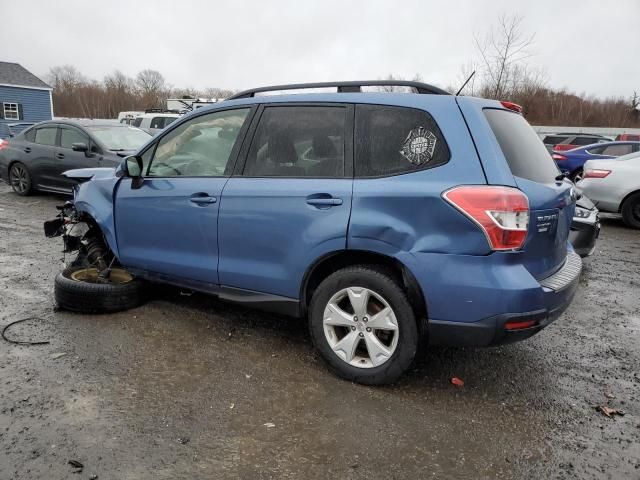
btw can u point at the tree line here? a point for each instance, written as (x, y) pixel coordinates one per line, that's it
(500, 64)
(75, 95)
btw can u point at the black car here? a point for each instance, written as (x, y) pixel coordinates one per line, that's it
(585, 227)
(35, 158)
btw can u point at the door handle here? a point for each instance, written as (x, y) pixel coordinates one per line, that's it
(202, 199)
(324, 202)
(59, 155)
(27, 149)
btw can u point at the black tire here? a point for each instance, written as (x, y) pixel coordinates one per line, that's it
(381, 282)
(87, 297)
(631, 211)
(20, 179)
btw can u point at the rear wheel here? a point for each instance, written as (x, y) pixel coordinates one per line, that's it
(631, 211)
(20, 179)
(363, 325)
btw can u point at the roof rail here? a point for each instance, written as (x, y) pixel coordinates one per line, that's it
(345, 87)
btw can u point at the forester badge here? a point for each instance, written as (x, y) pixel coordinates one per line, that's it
(419, 146)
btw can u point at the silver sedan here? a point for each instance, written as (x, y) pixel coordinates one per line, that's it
(614, 186)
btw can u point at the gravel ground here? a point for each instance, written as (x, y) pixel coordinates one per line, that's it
(190, 387)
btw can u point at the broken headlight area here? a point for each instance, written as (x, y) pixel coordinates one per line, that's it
(69, 225)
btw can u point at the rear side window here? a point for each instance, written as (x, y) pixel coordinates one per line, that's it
(526, 155)
(46, 136)
(298, 142)
(396, 140)
(584, 141)
(553, 140)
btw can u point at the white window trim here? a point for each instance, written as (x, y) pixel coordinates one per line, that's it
(8, 107)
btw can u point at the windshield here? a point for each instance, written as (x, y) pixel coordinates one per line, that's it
(120, 138)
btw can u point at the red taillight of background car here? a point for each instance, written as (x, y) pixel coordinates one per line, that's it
(514, 107)
(501, 212)
(561, 147)
(557, 156)
(595, 173)
(3, 143)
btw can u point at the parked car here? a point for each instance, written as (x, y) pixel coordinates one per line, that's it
(572, 161)
(567, 141)
(629, 136)
(35, 158)
(153, 122)
(585, 227)
(614, 186)
(382, 218)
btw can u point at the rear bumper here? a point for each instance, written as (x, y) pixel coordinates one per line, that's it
(557, 290)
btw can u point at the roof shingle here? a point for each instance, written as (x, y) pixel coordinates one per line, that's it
(16, 74)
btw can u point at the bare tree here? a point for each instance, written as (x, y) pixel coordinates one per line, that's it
(501, 50)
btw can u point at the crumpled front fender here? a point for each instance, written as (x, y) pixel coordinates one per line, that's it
(95, 198)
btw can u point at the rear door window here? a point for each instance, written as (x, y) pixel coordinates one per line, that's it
(396, 140)
(581, 141)
(46, 135)
(526, 155)
(301, 141)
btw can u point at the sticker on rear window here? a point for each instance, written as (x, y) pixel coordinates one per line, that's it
(419, 146)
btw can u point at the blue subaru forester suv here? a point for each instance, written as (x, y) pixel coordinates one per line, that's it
(386, 219)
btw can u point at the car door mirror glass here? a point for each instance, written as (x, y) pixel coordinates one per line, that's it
(79, 147)
(132, 166)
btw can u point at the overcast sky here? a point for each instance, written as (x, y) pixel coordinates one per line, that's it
(588, 46)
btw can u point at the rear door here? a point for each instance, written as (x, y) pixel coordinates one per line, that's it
(551, 201)
(289, 204)
(168, 226)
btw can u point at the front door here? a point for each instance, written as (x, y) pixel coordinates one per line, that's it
(169, 225)
(68, 159)
(290, 203)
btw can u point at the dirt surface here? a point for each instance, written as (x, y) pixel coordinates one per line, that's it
(188, 387)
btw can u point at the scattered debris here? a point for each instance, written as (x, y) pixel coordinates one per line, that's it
(183, 440)
(608, 411)
(458, 382)
(55, 356)
(247, 375)
(231, 407)
(77, 465)
(269, 425)
(609, 395)
(93, 477)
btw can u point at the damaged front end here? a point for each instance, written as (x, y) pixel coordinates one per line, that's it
(80, 234)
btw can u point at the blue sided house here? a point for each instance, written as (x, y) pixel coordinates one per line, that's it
(24, 99)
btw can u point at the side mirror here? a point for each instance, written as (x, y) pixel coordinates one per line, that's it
(79, 147)
(131, 167)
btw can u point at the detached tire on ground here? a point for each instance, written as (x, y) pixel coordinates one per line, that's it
(363, 325)
(79, 289)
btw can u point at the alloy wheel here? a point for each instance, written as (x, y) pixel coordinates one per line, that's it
(360, 327)
(19, 178)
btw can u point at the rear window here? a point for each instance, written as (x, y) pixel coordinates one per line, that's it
(525, 153)
(584, 140)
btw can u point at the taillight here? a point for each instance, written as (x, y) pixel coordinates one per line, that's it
(595, 173)
(501, 212)
(3, 143)
(557, 156)
(514, 107)
(520, 324)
